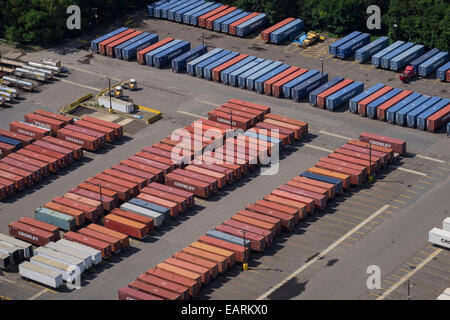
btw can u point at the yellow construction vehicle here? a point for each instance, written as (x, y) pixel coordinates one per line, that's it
(130, 84)
(311, 38)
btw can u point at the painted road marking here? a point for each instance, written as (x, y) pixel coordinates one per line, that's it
(407, 197)
(80, 85)
(335, 135)
(323, 253)
(191, 114)
(208, 102)
(93, 73)
(415, 192)
(402, 202)
(447, 169)
(38, 294)
(318, 148)
(429, 158)
(422, 181)
(413, 171)
(410, 274)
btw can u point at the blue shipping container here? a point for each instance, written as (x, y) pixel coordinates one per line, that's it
(441, 71)
(251, 25)
(313, 95)
(411, 117)
(385, 60)
(157, 9)
(415, 63)
(151, 206)
(94, 43)
(242, 78)
(432, 64)
(224, 75)
(163, 58)
(376, 58)
(194, 16)
(288, 86)
(180, 13)
(349, 47)
(150, 8)
(131, 51)
(372, 107)
(332, 49)
(353, 104)
(337, 183)
(191, 64)
(165, 9)
(187, 15)
(253, 77)
(259, 83)
(253, 134)
(16, 143)
(119, 49)
(422, 118)
(56, 218)
(342, 96)
(179, 63)
(217, 24)
(228, 238)
(226, 23)
(207, 71)
(199, 67)
(286, 31)
(390, 113)
(149, 55)
(402, 59)
(370, 49)
(400, 116)
(233, 78)
(172, 12)
(300, 91)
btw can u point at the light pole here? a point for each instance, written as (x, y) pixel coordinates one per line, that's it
(110, 98)
(409, 290)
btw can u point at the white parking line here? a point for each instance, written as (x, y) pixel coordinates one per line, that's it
(431, 159)
(336, 135)
(80, 85)
(91, 72)
(413, 171)
(38, 294)
(318, 148)
(408, 275)
(191, 114)
(324, 252)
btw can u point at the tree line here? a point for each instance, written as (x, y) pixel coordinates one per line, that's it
(419, 21)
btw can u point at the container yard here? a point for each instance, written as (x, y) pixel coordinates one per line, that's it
(266, 182)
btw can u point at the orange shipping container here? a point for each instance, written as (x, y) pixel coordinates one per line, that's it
(316, 183)
(344, 177)
(221, 261)
(277, 86)
(322, 96)
(362, 105)
(381, 110)
(227, 254)
(123, 238)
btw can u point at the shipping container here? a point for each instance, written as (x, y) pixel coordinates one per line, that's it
(200, 65)
(14, 144)
(217, 24)
(165, 207)
(41, 274)
(162, 154)
(71, 251)
(233, 76)
(49, 155)
(287, 220)
(381, 109)
(78, 215)
(361, 107)
(300, 208)
(41, 225)
(245, 28)
(95, 254)
(156, 172)
(411, 117)
(191, 65)
(61, 257)
(171, 13)
(30, 234)
(193, 19)
(25, 249)
(438, 119)
(159, 162)
(165, 57)
(61, 220)
(225, 25)
(126, 226)
(230, 119)
(309, 202)
(94, 43)
(352, 45)
(442, 73)
(321, 98)
(332, 48)
(268, 83)
(20, 165)
(330, 187)
(287, 87)
(183, 291)
(179, 15)
(164, 10)
(376, 58)
(90, 212)
(208, 69)
(346, 182)
(118, 50)
(132, 187)
(193, 268)
(127, 293)
(28, 130)
(257, 241)
(400, 61)
(256, 81)
(241, 253)
(313, 95)
(175, 275)
(286, 31)
(88, 142)
(108, 203)
(27, 175)
(65, 269)
(130, 52)
(371, 109)
(385, 60)
(99, 136)
(179, 63)
(302, 90)
(335, 100)
(102, 45)
(19, 181)
(140, 177)
(353, 103)
(107, 131)
(338, 183)
(320, 200)
(157, 217)
(141, 54)
(399, 146)
(422, 58)
(102, 246)
(146, 221)
(209, 22)
(8, 185)
(264, 222)
(233, 25)
(400, 115)
(6, 149)
(229, 255)
(242, 78)
(217, 259)
(422, 118)
(181, 193)
(265, 34)
(123, 193)
(68, 153)
(390, 112)
(432, 64)
(388, 151)
(202, 19)
(370, 49)
(151, 13)
(380, 157)
(197, 187)
(24, 139)
(113, 242)
(77, 150)
(89, 201)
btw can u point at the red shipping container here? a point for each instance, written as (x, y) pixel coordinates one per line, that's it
(52, 162)
(375, 161)
(172, 154)
(118, 129)
(288, 195)
(129, 227)
(158, 165)
(7, 185)
(127, 293)
(35, 171)
(436, 120)
(141, 182)
(86, 200)
(107, 202)
(259, 107)
(98, 189)
(102, 45)
(57, 116)
(282, 131)
(211, 266)
(181, 193)
(355, 176)
(266, 234)
(257, 242)
(147, 221)
(101, 137)
(236, 121)
(202, 18)
(43, 166)
(25, 139)
(76, 149)
(180, 272)
(232, 112)
(113, 242)
(153, 290)
(389, 152)
(249, 217)
(141, 54)
(132, 187)
(104, 247)
(229, 255)
(377, 154)
(6, 149)
(269, 83)
(152, 157)
(28, 130)
(298, 130)
(165, 284)
(192, 285)
(210, 20)
(256, 113)
(181, 202)
(27, 175)
(161, 153)
(319, 199)
(3, 192)
(172, 206)
(69, 154)
(397, 145)
(277, 87)
(19, 182)
(241, 253)
(213, 182)
(123, 193)
(61, 159)
(221, 178)
(232, 26)
(140, 175)
(221, 261)
(75, 213)
(89, 211)
(354, 160)
(41, 225)
(222, 170)
(323, 95)
(30, 234)
(110, 46)
(109, 132)
(202, 271)
(301, 124)
(362, 105)
(199, 188)
(265, 34)
(45, 122)
(315, 183)
(346, 164)
(217, 70)
(158, 173)
(287, 221)
(281, 204)
(87, 142)
(304, 186)
(123, 238)
(381, 109)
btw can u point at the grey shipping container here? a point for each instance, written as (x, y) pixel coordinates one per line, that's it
(60, 256)
(432, 64)
(353, 104)
(376, 58)
(95, 254)
(411, 116)
(156, 216)
(40, 274)
(165, 57)
(370, 49)
(61, 220)
(26, 248)
(130, 52)
(86, 257)
(191, 64)
(151, 206)
(95, 42)
(302, 90)
(441, 72)
(402, 59)
(251, 25)
(228, 237)
(424, 57)
(385, 60)
(224, 75)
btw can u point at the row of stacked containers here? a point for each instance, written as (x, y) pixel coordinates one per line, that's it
(45, 143)
(255, 227)
(402, 107)
(395, 56)
(210, 15)
(136, 184)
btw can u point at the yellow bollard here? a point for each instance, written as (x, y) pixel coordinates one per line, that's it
(245, 266)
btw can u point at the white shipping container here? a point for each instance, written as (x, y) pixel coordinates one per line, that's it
(25, 247)
(116, 104)
(86, 257)
(59, 256)
(68, 271)
(95, 254)
(443, 297)
(40, 274)
(446, 224)
(439, 237)
(11, 250)
(156, 216)
(5, 260)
